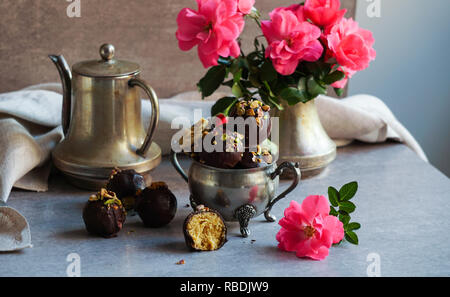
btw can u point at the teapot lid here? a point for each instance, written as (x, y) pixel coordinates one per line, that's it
(107, 66)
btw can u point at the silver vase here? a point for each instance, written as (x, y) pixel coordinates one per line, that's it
(303, 139)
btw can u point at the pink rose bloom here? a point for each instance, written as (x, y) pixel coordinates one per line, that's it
(290, 41)
(324, 12)
(214, 28)
(245, 6)
(350, 45)
(308, 229)
(342, 83)
(297, 9)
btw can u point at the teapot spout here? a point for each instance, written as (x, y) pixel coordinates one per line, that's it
(66, 79)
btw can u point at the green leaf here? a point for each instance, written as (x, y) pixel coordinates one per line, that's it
(353, 226)
(342, 212)
(318, 69)
(270, 100)
(293, 95)
(333, 196)
(314, 88)
(339, 92)
(237, 76)
(347, 206)
(268, 72)
(254, 79)
(256, 43)
(223, 105)
(351, 237)
(236, 90)
(335, 67)
(228, 83)
(269, 89)
(348, 191)
(234, 68)
(212, 80)
(333, 212)
(345, 219)
(334, 77)
(302, 85)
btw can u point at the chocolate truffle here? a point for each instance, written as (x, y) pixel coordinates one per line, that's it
(260, 112)
(126, 184)
(104, 214)
(260, 158)
(156, 205)
(232, 147)
(205, 230)
(194, 135)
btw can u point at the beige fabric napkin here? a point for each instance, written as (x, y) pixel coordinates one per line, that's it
(30, 119)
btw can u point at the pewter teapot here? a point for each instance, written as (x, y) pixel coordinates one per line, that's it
(101, 120)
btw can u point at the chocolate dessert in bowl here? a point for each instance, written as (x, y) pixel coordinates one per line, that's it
(236, 180)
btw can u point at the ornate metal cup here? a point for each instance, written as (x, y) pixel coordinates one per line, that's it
(237, 194)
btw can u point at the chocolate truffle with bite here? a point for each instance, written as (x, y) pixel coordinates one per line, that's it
(205, 230)
(104, 214)
(260, 112)
(126, 184)
(156, 205)
(232, 147)
(260, 158)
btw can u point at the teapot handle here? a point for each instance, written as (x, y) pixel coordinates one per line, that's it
(154, 119)
(297, 175)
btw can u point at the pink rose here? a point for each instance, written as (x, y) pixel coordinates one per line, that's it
(308, 229)
(324, 12)
(245, 6)
(350, 45)
(297, 9)
(290, 41)
(214, 28)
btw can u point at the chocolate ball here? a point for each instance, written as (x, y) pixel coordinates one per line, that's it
(126, 184)
(104, 214)
(258, 111)
(204, 230)
(231, 146)
(194, 135)
(261, 158)
(156, 205)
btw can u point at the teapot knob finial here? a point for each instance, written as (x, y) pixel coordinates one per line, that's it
(107, 51)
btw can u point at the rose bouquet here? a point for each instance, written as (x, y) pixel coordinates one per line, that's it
(303, 49)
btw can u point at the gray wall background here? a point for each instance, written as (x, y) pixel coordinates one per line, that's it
(411, 72)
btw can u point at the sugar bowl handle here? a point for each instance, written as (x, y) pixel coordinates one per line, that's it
(177, 166)
(154, 119)
(297, 175)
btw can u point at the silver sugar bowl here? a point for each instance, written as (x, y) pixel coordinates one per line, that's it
(237, 194)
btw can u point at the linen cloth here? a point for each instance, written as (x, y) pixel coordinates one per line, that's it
(30, 128)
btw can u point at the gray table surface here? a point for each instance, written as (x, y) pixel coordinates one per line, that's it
(403, 205)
